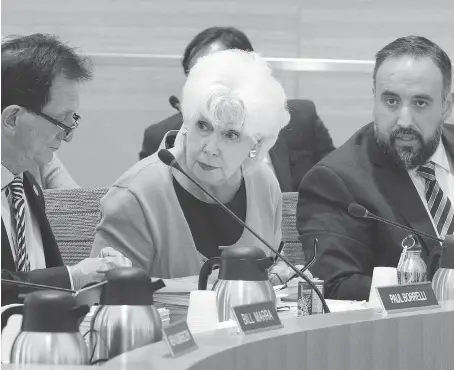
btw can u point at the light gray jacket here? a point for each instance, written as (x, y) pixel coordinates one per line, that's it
(142, 218)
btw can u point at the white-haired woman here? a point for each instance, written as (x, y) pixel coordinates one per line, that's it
(233, 109)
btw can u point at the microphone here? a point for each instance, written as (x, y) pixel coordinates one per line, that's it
(312, 261)
(88, 295)
(35, 286)
(175, 103)
(357, 210)
(168, 158)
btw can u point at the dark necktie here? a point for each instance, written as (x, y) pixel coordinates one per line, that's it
(16, 187)
(439, 204)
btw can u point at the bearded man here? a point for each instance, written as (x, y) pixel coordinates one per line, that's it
(399, 167)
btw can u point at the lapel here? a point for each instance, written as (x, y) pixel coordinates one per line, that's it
(401, 193)
(35, 199)
(280, 159)
(32, 193)
(7, 255)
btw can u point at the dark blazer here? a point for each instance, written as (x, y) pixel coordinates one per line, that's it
(55, 274)
(300, 145)
(350, 248)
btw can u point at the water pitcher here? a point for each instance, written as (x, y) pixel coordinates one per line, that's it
(50, 330)
(126, 318)
(243, 278)
(443, 280)
(411, 267)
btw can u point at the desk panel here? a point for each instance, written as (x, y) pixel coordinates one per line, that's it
(355, 340)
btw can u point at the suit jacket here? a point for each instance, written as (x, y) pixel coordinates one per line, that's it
(350, 248)
(55, 274)
(300, 145)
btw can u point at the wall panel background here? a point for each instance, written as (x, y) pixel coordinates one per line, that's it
(123, 99)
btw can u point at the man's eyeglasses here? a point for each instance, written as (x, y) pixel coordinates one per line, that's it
(67, 129)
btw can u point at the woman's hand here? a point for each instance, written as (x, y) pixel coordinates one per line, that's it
(279, 273)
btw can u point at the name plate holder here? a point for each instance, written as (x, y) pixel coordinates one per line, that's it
(256, 317)
(179, 338)
(407, 297)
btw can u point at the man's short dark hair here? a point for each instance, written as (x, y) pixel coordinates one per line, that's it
(417, 47)
(230, 37)
(29, 66)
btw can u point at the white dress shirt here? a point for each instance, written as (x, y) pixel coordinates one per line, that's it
(33, 239)
(444, 173)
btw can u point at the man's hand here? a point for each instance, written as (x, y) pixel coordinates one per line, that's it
(93, 269)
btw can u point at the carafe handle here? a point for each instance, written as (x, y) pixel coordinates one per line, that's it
(206, 270)
(10, 311)
(156, 285)
(264, 263)
(81, 311)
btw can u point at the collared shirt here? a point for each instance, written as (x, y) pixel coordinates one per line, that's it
(33, 239)
(444, 173)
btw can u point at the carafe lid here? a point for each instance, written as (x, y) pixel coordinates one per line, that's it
(51, 311)
(243, 252)
(247, 263)
(129, 286)
(412, 244)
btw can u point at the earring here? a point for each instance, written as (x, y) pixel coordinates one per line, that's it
(253, 153)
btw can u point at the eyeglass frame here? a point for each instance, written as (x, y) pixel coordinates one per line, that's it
(67, 129)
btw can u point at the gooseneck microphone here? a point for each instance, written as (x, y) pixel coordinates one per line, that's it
(357, 210)
(35, 286)
(168, 158)
(175, 103)
(310, 263)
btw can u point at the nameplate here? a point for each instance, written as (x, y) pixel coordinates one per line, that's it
(179, 338)
(256, 317)
(407, 297)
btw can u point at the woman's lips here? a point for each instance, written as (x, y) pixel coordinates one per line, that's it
(206, 167)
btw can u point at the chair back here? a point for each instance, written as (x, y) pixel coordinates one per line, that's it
(73, 216)
(293, 249)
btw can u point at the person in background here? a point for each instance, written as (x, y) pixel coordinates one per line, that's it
(53, 175)
(40, 81)
(303, 142)
(400, 167)
(233, 109)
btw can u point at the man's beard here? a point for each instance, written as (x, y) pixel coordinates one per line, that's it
(408, 157)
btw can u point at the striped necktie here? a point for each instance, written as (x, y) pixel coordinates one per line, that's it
(16, 187)
(440, 206)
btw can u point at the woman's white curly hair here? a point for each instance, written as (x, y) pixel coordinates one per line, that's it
(237, 87)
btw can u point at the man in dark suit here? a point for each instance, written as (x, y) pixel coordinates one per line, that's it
(301, 144)
(40, 80)
(385, 168)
